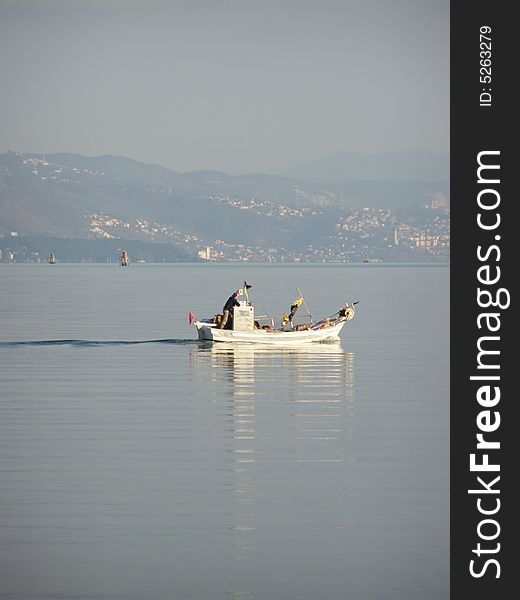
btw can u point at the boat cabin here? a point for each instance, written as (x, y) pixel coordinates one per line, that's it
(244, 317)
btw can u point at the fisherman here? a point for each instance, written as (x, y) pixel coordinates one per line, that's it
(228, 307)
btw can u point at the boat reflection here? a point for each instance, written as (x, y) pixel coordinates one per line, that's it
(326, 366)
(266, 396)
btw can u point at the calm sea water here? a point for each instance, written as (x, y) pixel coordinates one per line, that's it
(139, 464)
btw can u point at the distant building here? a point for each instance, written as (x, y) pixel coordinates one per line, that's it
(424, 240)
(439, 200)
(205, 253)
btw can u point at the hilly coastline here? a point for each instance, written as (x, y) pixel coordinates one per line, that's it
(92, 206)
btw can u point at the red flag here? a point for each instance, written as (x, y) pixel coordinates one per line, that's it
(191, 318)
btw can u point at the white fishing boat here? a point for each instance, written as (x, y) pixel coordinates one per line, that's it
(246, 327)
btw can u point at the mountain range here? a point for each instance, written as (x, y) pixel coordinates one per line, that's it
(409, 165)
(74, 196)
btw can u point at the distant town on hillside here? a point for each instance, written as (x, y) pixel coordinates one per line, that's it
(87, 209)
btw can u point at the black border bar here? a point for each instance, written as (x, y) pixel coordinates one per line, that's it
(475, 128)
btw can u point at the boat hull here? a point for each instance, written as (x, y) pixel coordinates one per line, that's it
(209, 332)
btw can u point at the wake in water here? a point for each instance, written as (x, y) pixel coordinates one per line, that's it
(83, 343)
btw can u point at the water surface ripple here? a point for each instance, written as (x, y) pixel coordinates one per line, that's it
(137, 462)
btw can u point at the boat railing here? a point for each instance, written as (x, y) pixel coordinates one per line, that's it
(301, 319)
(262, 319)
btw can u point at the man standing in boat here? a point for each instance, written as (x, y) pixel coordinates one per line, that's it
(228, 307)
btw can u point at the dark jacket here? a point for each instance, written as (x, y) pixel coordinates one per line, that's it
(231, 302)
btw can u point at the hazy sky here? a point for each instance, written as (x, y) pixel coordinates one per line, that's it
(232, 85)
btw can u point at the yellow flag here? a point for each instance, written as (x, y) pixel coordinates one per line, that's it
(297, 302)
